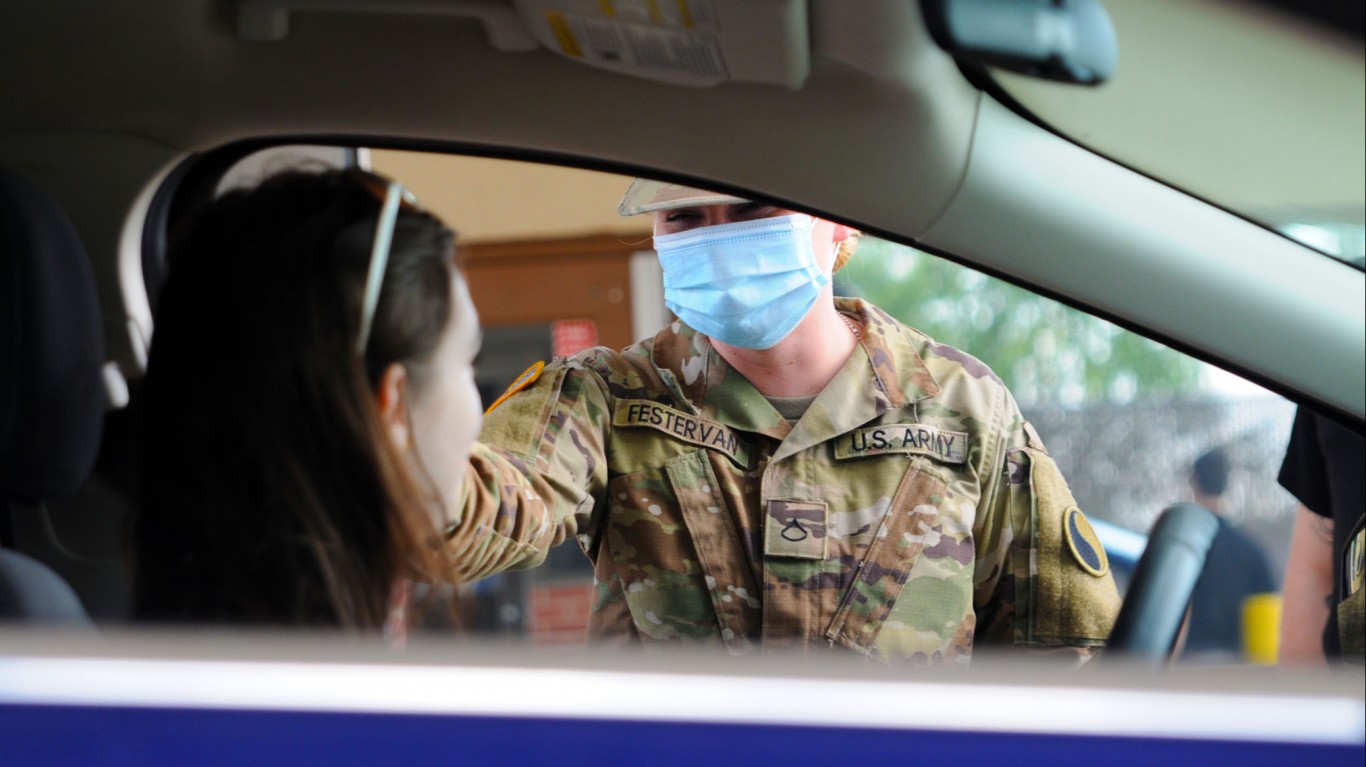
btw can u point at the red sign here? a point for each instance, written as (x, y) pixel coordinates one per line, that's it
(572, 336)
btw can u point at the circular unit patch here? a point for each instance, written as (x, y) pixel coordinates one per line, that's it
(1084, 543)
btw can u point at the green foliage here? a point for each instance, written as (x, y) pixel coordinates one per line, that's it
(1046, 352)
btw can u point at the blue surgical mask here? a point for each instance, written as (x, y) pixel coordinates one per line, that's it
(748, 283)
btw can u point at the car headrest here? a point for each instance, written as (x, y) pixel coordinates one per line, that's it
(52, 395)
(32, 592)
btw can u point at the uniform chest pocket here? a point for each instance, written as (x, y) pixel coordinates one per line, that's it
(678, 554)
(911, 520)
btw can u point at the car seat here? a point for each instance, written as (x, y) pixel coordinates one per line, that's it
(52, 405)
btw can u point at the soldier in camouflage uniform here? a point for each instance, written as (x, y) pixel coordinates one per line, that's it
(904, 510)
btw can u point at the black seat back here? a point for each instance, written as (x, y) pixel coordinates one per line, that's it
(52, 391)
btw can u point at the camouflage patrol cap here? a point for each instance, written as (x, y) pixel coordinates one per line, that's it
(647, 196)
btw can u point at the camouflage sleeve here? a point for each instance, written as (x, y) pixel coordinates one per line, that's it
(535, 475)
(1043, 578)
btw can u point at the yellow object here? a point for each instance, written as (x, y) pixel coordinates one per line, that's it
(1262, 629)
(568, 43)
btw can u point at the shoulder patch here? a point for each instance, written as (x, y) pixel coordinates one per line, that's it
(1084, 543)
(527, 378)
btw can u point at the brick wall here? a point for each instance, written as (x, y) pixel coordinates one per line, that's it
(559, 613)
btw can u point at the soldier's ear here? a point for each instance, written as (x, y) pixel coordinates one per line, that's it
(392, 398)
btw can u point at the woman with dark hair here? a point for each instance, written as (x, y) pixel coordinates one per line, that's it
(309, 410)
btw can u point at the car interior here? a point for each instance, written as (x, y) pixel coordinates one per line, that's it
(942, 130)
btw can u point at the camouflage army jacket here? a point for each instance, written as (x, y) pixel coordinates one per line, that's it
(909, 514)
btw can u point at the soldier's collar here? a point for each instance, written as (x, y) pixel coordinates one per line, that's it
(900, 371)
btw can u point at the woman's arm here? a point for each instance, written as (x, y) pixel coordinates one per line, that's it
(1308, 584)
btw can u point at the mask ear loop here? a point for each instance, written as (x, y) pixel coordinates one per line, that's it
(828, 279)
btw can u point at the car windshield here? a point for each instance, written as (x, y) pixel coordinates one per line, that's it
(1254, 110)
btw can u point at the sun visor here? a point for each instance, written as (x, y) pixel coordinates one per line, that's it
(686, 42)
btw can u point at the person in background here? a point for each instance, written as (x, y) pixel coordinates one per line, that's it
(309, 409)
(1324, 613)
(1235, 568)
(781, 469)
